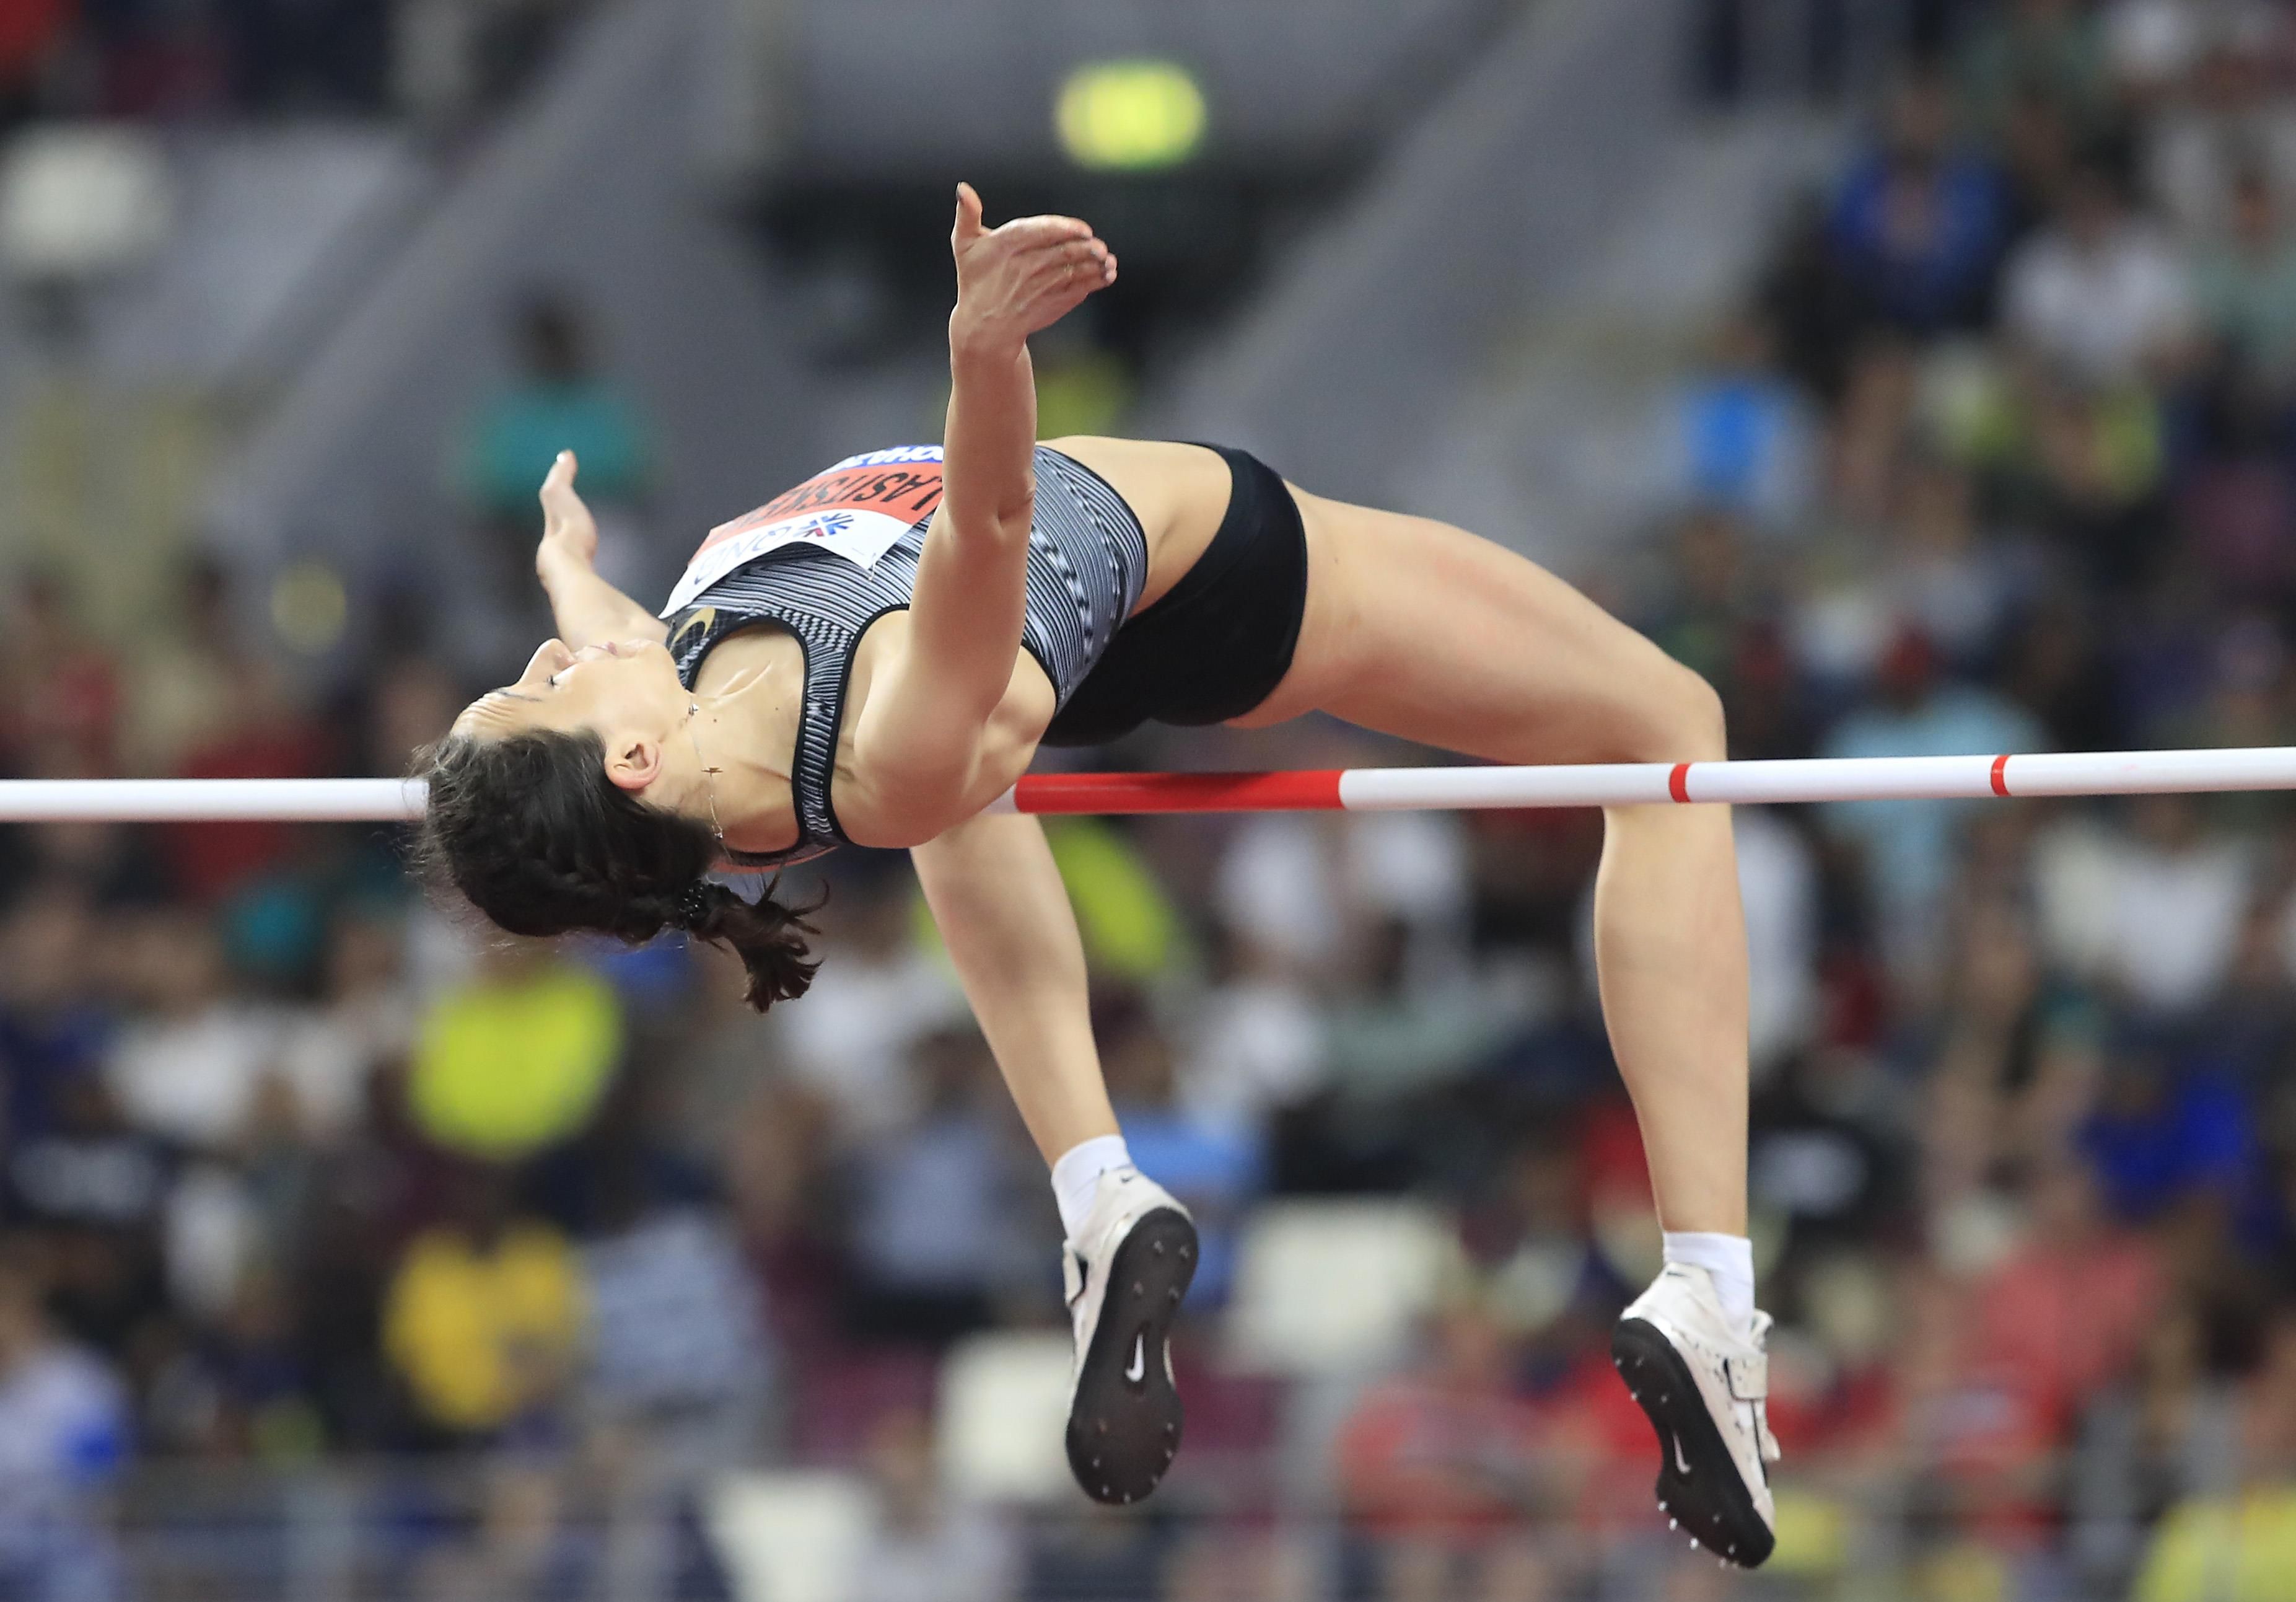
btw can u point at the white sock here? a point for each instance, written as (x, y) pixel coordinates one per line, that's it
(1728, 1260)
(1077, 1175)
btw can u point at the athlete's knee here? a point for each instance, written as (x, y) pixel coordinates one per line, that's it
(1682, 721)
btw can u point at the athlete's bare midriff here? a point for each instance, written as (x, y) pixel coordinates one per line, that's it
(1178, 492)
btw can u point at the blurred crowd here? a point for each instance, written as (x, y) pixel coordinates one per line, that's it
(296, 1167)
(190, 58)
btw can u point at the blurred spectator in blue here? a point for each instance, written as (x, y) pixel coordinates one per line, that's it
(63, 1437)
(1919, 222)
(557, 399)
(923, 1546)
(53, 1028)
(1909, 847)
(942, 1222)
(1745, 439)
(2168, 1125)
(2099, 296)
(1217, 1167)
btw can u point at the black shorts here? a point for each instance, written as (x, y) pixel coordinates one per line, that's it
(1217, 643)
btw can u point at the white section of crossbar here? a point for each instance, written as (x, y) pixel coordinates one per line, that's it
(1362, 789)
(210, 801)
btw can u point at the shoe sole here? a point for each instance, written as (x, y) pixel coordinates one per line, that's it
(1124, 1432)
(1711, 1502)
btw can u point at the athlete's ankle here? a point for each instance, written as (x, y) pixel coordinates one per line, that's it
(1728, 1261)
(1076, 1177)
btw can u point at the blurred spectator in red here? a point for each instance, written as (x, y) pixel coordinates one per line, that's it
(2066, 1311)
(185, 675)
(31, 30)
(1438, 1466)
(206, 704)
(58, 691)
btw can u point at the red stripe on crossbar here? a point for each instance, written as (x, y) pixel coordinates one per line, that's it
(2001, 775)
(1678, 782)
(1063, 792)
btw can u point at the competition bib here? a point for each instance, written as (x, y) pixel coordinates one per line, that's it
(858, 509)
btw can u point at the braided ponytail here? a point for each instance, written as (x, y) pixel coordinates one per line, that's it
(534, 834)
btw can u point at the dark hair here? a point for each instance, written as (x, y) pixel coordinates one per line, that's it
(534, 833)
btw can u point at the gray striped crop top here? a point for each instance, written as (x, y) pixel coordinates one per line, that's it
(832, 556)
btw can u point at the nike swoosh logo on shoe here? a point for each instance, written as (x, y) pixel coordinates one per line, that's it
(1139, 1360)
(1680, 1462)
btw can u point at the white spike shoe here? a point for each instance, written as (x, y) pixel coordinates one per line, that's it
(1126, 1275)
(1705, 1388)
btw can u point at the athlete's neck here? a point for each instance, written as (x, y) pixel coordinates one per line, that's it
(746, 729)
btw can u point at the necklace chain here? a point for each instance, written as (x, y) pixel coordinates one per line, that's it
(708, 773)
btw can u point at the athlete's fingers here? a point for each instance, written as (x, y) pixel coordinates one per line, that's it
(558, 497)
(968, 226)
(1063, 261)
(1030, 233)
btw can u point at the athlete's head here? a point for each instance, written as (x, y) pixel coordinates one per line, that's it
(575, 799)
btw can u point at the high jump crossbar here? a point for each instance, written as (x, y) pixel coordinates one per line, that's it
(1332, 790)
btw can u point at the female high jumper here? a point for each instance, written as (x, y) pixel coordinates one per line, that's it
(877, 655)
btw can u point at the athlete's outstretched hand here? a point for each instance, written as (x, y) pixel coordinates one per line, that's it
(568, 528)
(1027, 275)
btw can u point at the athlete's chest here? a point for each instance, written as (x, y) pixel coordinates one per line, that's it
(853, 514)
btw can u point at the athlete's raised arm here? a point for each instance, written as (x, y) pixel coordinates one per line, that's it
(921, 728)
(588, 610)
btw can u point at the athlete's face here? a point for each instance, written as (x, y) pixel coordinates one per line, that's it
(626, 692)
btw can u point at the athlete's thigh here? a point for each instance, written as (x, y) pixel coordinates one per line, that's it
(1422, 631)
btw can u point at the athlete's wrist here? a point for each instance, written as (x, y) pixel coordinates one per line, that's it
(976, 340)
